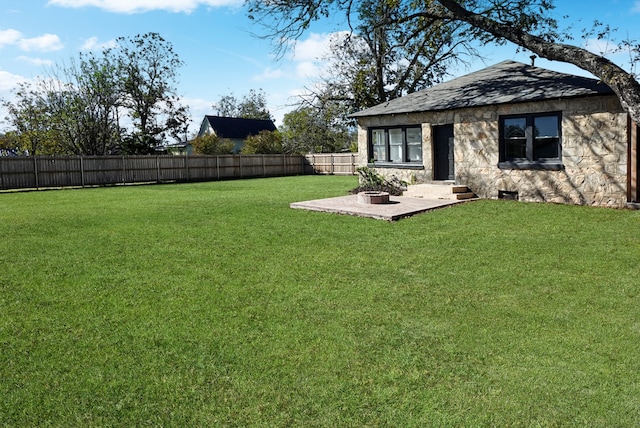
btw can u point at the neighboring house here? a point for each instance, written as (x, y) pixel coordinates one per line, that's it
(9, 152)
(510, 131)
(234, 129)
(182, 148)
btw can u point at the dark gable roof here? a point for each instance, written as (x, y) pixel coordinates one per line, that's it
(237, 128)
(503, 83)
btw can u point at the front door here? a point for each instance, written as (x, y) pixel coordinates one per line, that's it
(443, 160)
(633, 178)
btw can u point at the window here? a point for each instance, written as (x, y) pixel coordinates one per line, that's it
(396, 145)
(379, 141)
(531, 141)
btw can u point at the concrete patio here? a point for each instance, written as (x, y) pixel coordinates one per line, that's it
(398, 207)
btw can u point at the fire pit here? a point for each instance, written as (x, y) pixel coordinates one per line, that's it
(372, 197)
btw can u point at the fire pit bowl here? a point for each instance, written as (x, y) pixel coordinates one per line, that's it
(373, 197)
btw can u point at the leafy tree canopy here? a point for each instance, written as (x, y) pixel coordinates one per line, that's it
(78, 109)
(211, 144)
(266, 142)
(312, 129)
(526, 23)
(252, 106)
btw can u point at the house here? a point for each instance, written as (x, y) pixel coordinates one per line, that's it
(9, 152)
(234, 129)
(181, 148)
(509, 131)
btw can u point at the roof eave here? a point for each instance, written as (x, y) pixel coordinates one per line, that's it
(362, 114)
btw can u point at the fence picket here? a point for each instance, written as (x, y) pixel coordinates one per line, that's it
(67, 171)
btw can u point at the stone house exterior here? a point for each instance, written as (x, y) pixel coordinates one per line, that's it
(509, 131)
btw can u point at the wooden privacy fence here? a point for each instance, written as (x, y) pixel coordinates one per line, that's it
(332, 163)
(80, 171)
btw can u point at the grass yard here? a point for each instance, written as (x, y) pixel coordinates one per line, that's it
(215, 304)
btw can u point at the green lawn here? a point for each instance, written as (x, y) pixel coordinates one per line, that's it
(215, 304)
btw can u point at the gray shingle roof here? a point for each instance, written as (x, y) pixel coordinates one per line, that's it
(504, 83)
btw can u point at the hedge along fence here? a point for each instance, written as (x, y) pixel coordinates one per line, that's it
(81, 171)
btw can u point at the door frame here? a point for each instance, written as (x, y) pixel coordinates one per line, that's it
(443, 163)
(633, 169)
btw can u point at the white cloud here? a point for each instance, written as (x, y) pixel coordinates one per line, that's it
(308, 54)
(312, 54)
(314, 48)
(9, 81)
(636, 7)
(92, 44)
(44, 43)
(269, 74)
(9, 37)
(308, 70)
(35, 61)
(198, 107)
(138, 6)
(197, 104)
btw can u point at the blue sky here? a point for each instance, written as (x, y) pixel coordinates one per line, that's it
(213, 38)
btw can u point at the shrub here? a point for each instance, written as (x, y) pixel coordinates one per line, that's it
(370, 180)
(212, 145)
(266, 142)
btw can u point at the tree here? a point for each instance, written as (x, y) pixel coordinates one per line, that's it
(32, 132)
(252, 106)
(623, 83)
(227, 106)
(74, 111)
(78, 108)
(147, 66)
(525, 23)
(9, 143)
(266, 142)
(87, 111)
(304, 130)
(211, 144)
(378, 63)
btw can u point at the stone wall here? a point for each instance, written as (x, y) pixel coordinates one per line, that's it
(594, 152)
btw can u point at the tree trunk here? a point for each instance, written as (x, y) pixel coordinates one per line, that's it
(621, 82)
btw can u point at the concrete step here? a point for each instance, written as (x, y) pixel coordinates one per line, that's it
(429, 191)
(458, 188)
(465, 195)
(443, 191)
(439, 190)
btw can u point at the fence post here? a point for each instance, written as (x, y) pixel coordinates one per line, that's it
(106, 169)
(82, 170)
(35, 170)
